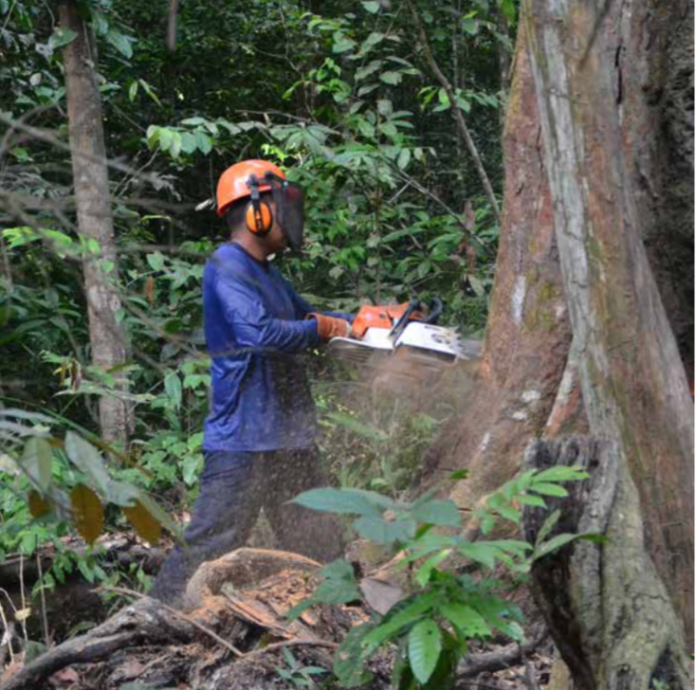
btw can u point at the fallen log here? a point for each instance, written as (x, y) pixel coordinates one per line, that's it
(604, 603)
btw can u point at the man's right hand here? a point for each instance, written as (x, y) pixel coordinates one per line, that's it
(330, 327)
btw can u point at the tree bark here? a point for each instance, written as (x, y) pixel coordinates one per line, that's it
(631, 374)
(605, 605)
(528, 334)
(94, 218)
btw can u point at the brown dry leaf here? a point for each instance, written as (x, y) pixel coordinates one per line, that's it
(150, 290)
(146, 526)
(471, 257)
(380, 595)
(469, 216)
(89, 512)
(38, 505)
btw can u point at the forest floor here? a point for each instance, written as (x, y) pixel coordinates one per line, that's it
(234, 635)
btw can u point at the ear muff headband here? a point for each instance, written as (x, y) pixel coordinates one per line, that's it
(259, 217)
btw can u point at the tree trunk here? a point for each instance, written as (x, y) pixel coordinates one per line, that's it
(528, 335)
(605, 605)
(94, 217)
(631, 373)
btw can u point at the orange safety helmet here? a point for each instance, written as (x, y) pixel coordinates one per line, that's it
(234, 182)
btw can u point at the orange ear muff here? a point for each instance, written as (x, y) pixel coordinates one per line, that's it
(259, 218)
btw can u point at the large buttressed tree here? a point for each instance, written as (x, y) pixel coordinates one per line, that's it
(628, 93)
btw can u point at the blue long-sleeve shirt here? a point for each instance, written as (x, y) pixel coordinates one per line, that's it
(255, 328)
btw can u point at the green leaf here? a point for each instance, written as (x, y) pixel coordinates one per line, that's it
(554, 544)
(482, 553)
(36, 462)
(366, 129)
(87, 459)
(204, 142)
(529, 500)
(188, 142)
(166, 136)
(369, 69)
(403, 614)
(372, 7)
(133, 91)
(425, 571)
(62, 37)
(509, 513)
(392, 78)
(152, 136)
(404, 159)
(339, 501)
(548, 526)
(549, 489)
(383, 531)
(175, 147)
(343, 44)
(467, 620)
(120, 42)
(424, 647)
(561, 474)
(389, 129)
(508, 9)
(172, 386)
(156, 261)
(349, 660)
(496, 613)
(385, 107)
(470, 26)
(440, 512)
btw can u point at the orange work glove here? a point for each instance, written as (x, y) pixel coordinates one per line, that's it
(330, 327)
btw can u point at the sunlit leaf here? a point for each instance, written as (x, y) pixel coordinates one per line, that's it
(145, 524)
(38, 505)
(88, 512)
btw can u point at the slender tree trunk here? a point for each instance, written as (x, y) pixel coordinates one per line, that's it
(94, 217)
(631, 374)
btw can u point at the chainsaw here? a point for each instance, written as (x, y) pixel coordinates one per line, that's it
(401, 329)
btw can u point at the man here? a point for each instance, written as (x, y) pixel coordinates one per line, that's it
(259, 439)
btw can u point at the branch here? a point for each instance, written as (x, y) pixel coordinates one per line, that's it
(490, 662)
(459, 118)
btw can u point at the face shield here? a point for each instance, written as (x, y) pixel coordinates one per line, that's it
(288, 200)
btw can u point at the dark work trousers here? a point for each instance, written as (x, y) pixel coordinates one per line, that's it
(233, 488)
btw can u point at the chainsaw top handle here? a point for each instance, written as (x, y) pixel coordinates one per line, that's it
(416, 305)
(436, 308)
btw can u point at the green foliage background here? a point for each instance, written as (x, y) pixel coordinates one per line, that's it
(335, 92)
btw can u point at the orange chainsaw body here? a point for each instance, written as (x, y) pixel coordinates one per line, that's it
(380, 317)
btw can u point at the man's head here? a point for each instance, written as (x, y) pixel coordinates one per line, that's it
(260, 206)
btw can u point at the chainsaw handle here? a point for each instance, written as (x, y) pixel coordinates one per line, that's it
(436, 308)
(403, 319)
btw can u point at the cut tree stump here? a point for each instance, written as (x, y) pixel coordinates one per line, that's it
(604, 603)
(229, 639)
